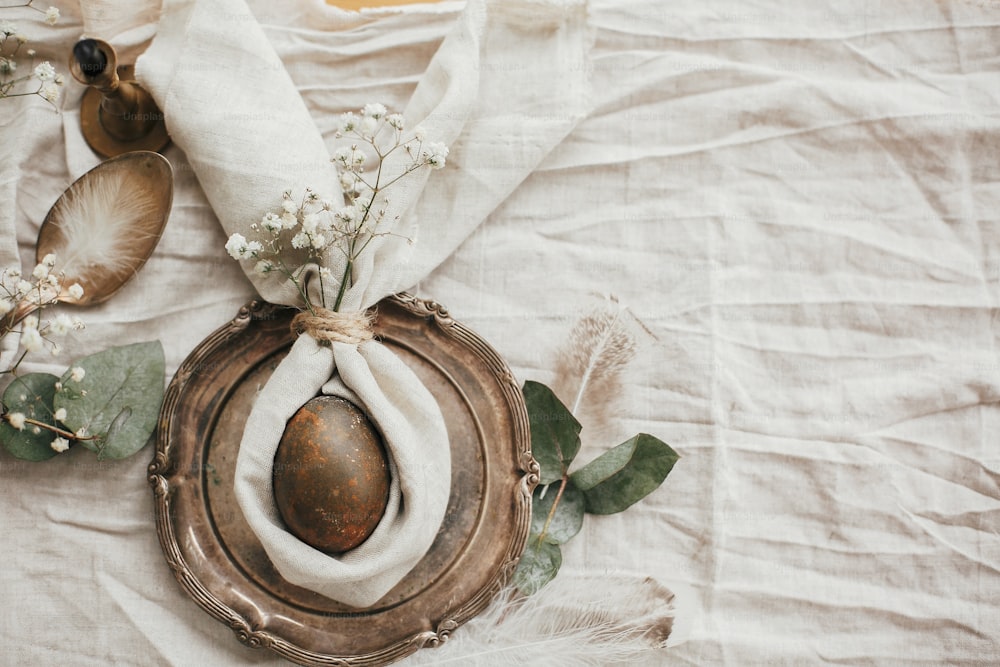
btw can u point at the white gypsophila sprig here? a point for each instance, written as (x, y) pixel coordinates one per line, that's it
(45, 71)
(314, 226)
(23, 303)
(42, 79)
(22, 300)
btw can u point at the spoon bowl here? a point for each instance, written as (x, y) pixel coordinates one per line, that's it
(107, 223)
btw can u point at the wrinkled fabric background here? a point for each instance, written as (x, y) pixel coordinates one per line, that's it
(801, 204)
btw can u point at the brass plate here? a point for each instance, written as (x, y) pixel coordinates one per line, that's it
(221, 565)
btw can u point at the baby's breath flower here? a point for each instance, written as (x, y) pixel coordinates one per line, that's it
(60, 414)
(77, 373)
(52, 15)
(348, 121)
(76, 291)
(45, 72)
(290, 206)
(236, 246)
(300, 240)
(239, 248)
(60, 444)
(78, 324)
(61, 325)
(395, 121)
(31, 340)
(369, 126)
(41, 272)
(30, 322)
(17, 420)
(272, 223)
(21, 39)
(348, 214)
(342, 155)
(264, 267)
(23, 287)
(374, 110)
(289, 220)
(318, 241)
(8, 28)
(49, 91)
(435, 154)
(309, 223)
(7, 65)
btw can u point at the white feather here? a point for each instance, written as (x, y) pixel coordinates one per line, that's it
(591, 366)
(107, 224)
(574, 620)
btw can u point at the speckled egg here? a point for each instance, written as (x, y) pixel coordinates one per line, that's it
(331, 475)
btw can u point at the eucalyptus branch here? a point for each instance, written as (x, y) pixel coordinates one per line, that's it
(555, 505)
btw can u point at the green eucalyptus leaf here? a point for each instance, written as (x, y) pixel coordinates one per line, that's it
(539, 564)
(555, 432)
(30, 395)
(118, 398)
(568, 517)
(624, 475)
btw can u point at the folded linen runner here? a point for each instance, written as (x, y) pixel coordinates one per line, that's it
(230, 105)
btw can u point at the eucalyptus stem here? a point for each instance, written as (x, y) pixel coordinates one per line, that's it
(552, 510)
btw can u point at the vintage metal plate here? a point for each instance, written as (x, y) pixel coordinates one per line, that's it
(221, 565)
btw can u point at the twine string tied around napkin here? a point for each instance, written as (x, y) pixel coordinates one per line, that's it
(332, 326)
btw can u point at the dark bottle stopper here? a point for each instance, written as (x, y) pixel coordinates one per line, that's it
(89, 56)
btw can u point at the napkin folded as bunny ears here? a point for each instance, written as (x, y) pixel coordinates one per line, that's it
(506, 86)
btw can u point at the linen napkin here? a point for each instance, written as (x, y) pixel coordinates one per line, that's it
(231, 106)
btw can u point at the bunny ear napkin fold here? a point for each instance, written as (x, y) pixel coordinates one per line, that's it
(507, 84)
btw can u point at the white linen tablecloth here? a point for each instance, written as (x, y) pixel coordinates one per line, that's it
(800, 203)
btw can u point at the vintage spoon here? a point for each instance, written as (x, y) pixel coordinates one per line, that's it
(105, 226)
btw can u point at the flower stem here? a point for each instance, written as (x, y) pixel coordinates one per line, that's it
(343, 283)
(55, 429)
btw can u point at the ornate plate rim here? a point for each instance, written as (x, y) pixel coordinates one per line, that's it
(162, 468)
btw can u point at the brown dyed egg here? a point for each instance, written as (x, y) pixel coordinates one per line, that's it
(331, 475)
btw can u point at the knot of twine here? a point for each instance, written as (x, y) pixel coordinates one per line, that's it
(334, 327)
